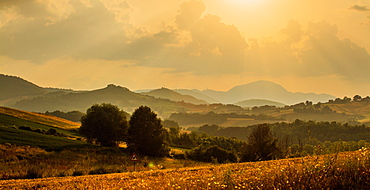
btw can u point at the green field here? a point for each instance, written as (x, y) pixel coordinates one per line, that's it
(7, 120)
(43, 119)
(47, 142)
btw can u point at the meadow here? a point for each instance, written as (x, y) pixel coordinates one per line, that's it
(346, 170)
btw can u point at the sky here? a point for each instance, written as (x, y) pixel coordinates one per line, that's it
(304, 45)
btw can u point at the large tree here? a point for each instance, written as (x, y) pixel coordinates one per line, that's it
(261, 145)
(146, 134)
(104, 124)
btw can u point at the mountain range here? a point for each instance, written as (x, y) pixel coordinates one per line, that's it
(22, 94)
(266, 90)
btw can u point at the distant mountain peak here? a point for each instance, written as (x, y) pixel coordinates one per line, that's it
(263, 85)
(113, 86)
(267, 90)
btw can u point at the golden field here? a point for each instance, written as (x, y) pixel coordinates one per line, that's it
(348, 170)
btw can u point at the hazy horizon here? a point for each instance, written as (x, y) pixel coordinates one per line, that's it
(305, 46)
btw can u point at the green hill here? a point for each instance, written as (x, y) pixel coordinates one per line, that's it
(15, 88)
(47, 142)
(42, 119)
(11, 120)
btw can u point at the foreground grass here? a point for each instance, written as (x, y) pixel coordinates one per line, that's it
(349, 170)
(27, 162)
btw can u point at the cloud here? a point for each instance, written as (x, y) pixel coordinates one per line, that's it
(50, 30)
(328, 54)
(190, 13)
(314, 51)
(359, 8)
(201, 45)
(195, 43)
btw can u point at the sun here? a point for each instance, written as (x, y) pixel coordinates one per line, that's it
(247, 2)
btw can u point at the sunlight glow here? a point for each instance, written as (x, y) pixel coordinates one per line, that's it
(247, 2)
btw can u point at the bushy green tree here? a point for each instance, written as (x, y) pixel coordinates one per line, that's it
(261, 145)
(146, 134)
(104, 124)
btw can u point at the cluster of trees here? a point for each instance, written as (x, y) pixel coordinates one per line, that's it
(51, 131)
(315, 147)
(107, 125)
(261, 145)
(72, 115)
(356, 98)
(298, 130)
(214, 118)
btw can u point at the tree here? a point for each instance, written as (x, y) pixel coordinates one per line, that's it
(146, 134)
(261, 145)
(169, 124)
(357, 98)
(104, 124)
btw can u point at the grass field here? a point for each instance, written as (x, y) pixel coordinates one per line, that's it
(21, 137)
(349, 170)
(39, 118)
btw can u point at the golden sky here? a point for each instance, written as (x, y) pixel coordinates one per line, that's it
(304, 45)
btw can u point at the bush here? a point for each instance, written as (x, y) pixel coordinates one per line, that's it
(33, 173)
(78, 173)
(100, 170)
(25, 128)
(212, 153)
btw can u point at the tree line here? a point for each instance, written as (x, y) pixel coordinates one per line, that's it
(107, 125)
(144, 133)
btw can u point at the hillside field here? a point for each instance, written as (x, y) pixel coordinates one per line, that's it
(40, 118)
(348, 170)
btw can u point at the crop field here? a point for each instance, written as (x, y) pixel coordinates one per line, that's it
(349, 170)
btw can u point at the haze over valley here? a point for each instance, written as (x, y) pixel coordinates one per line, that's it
(184, 94)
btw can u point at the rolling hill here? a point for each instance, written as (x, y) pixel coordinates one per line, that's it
(166, 93)
(11, 120)
(259, 102)
(29, 138)
(82, 100)
(14, 88)
(42, 119)
(117, 95)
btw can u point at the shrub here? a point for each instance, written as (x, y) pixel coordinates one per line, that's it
(212, 153)
(33, 173)
(77, 173)
(100, 170)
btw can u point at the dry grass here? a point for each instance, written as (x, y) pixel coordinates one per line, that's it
(40, 118)
(348, 170)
